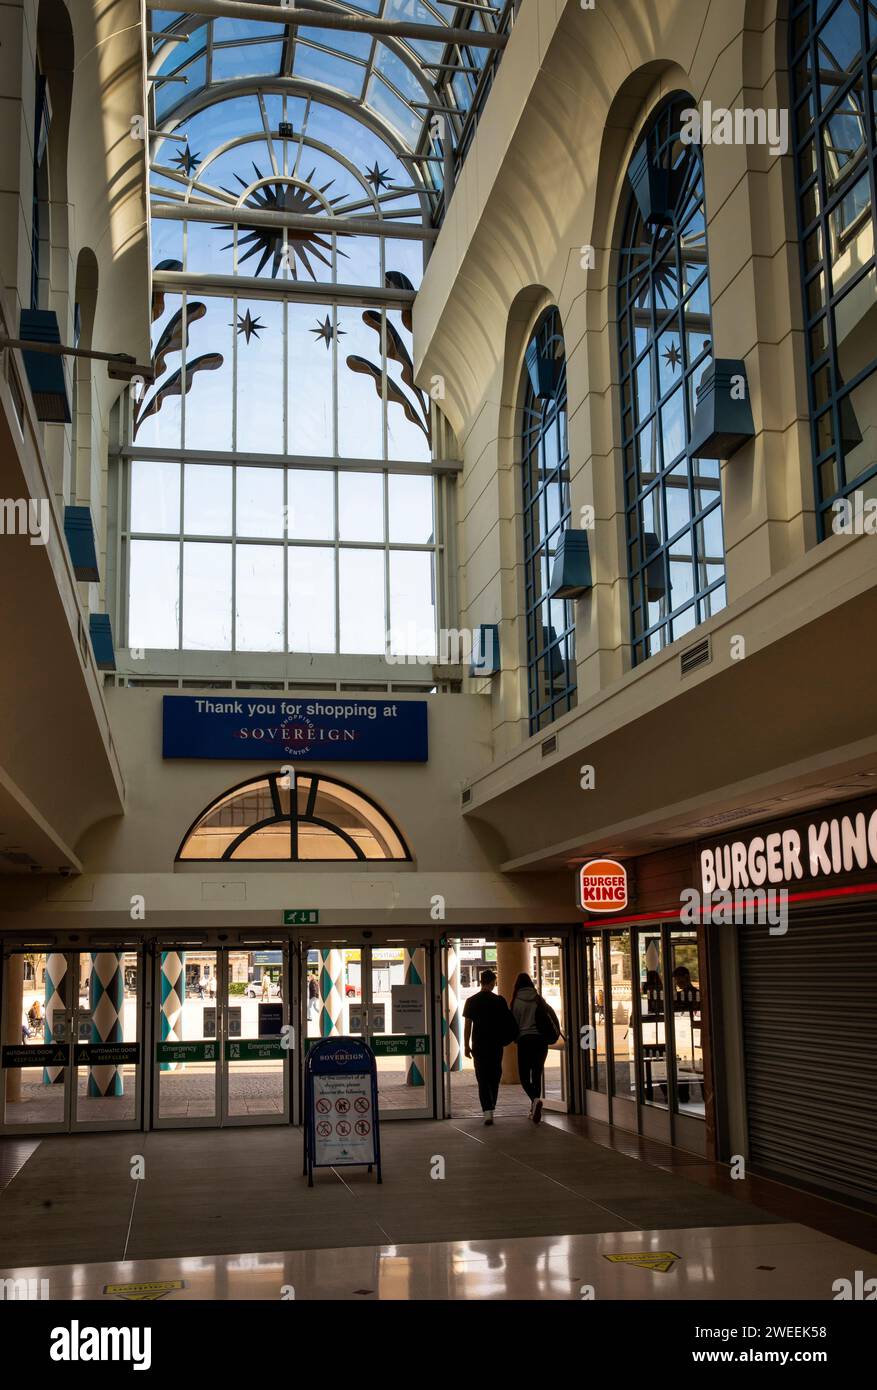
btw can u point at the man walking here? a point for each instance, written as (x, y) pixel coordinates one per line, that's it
(490, 1027)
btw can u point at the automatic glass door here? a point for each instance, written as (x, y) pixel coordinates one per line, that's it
(254, 1026)
(221, 1036)
(381, 994)
(72, 1055)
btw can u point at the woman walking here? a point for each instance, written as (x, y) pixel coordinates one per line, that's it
(537, 1025)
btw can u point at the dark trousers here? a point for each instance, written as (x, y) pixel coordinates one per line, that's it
(488, 1074)
(532, 1051)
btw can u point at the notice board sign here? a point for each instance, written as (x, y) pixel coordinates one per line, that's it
(271, 1019)
(341, 1107)
(333, 729)
(37, 1055)
(409, 1008)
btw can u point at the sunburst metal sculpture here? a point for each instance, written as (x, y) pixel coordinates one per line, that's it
(282, 195)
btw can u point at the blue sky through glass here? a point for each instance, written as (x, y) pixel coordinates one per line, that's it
(255, 366)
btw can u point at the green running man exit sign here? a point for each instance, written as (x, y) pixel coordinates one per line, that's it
(301, 917)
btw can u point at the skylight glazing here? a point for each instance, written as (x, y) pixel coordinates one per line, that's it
(296, 174)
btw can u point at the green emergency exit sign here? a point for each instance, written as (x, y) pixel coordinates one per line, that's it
(301, 917)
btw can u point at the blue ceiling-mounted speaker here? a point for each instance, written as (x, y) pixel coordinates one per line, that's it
(101, 632)
(79, 532)
(45, 371)
(485, 651)
(723, 420)
(571, 572)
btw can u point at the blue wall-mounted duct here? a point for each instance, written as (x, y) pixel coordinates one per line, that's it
(651, 187)
(571, 572)
(723, 420)
(79, 530)
(544, 371)
(101, 633)
(45, 371)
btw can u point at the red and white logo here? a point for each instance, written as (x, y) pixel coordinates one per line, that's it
(603, 886)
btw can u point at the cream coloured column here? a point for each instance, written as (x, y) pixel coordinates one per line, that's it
(512, 959)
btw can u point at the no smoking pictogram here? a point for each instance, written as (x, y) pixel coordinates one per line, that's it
(323, 1105)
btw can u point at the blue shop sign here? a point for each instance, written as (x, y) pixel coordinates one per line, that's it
(333, 729)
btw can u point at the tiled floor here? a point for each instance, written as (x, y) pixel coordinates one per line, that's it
(512, 1211)
(14, 1153)
(751, 1263)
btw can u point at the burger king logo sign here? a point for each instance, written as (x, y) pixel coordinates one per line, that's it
(603, 886)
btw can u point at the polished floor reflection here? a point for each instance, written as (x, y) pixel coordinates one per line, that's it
(757, 1263)
(570, 1209)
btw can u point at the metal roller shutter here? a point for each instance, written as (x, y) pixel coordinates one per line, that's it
(810, 1043)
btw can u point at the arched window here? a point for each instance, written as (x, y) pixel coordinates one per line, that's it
(833, 61)
(323, 820)
(281, 483)
(551, 657)
(673, 502)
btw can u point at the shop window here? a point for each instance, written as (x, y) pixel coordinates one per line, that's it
(644, 1005)
(652, 1020)
(322, 820)
(685, 999)
(673, 502)
(551, 657)
(833, 65)
(623, 1053)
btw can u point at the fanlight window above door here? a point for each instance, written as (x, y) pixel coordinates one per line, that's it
(320, 819)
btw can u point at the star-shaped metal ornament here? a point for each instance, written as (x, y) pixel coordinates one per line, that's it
(378, 177)
(673, 356)
(250, 327)
(186, 161)
(326, 332)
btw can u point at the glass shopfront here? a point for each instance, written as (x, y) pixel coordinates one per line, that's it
(643, 1043)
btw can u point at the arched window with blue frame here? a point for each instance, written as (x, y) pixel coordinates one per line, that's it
(833, 63)
(673, 502)
(551, 658)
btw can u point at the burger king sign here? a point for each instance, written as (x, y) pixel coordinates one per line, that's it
(603, 886)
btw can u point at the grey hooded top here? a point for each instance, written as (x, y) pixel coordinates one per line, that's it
(524, 1010)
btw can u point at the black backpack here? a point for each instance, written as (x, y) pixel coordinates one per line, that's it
(547, 1023)
(509, 1027)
